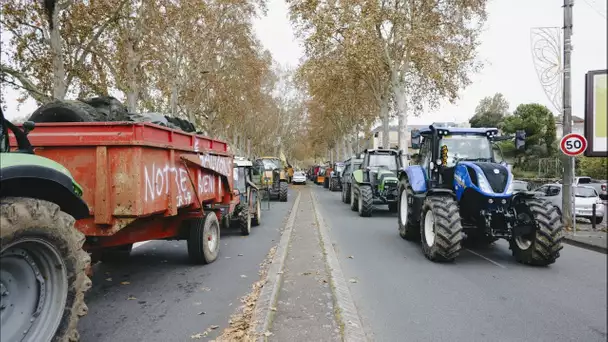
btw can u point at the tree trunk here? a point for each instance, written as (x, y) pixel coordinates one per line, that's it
(59, 77)
(398, 87)
(132, 86)
(174, 98)
(385, 122)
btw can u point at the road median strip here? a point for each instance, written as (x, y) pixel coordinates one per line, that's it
(266, 302)
(347, 314)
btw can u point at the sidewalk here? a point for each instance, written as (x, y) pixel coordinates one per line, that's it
(305, 309)
(585, 237)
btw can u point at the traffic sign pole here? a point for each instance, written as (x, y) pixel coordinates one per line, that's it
(572, 145)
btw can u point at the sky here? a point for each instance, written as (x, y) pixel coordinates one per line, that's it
(505, 51)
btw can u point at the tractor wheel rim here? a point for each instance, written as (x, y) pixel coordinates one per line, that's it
(33, 290)
(522, 241)
(429, 228)
(248, 221)
(212, 237)
(352, 196)
(403, 207)
(360, 202)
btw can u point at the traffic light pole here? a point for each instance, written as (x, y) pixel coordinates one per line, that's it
(568, 180)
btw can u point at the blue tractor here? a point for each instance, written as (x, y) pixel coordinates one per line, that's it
(459, 190)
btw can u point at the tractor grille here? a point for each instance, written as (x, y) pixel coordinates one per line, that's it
(498, 181)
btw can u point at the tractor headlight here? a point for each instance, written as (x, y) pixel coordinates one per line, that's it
(484, 185)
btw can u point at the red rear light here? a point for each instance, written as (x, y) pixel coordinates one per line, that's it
(603, 187)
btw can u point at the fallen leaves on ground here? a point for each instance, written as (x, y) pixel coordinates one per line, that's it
(125, 282)
(196, 336)
(241, 328)
(131, 298)
(108, 279)
(352, 280)
(351, 257)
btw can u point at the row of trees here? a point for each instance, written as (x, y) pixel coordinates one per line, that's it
(369, 60)
(193, 59)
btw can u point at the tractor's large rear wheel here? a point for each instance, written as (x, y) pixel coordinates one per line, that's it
(440, 228)
(204, 238)
(365, 201)
(409, 222)
(540, 247)
(283, 192)
(43, 278)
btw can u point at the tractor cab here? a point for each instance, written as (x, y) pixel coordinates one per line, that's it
(474, 149)
(382, 165)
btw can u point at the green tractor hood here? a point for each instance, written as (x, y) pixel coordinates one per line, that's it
(385, 178)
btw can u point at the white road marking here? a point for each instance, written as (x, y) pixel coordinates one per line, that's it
(486, 258)
(139, 244)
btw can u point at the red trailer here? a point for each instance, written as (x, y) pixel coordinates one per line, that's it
(143, 182)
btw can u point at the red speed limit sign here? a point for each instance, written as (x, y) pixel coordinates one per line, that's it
(573, 144)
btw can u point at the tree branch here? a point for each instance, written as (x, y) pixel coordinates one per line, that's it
(26, 84)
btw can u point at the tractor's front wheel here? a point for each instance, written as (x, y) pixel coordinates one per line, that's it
(346, 193)
(326, 183)
(440, 229)
(409, 222)
(541, 246)
(283, 192)
(244, 220)
(43, 278)
(365, 201)
(256, 220)
(353, 199)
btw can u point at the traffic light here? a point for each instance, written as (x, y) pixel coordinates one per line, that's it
(520, 139)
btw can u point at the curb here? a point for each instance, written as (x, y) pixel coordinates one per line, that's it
(584, 245)
(263, 313)
(349, 316)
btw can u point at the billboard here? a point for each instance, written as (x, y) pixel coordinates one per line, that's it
(596, 118)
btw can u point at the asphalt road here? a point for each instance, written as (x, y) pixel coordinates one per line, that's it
(157, 295)
(483, 296)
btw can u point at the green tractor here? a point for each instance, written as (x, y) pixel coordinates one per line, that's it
(376, 182)
(43, 265)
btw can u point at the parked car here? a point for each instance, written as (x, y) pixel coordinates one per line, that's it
(584, 199)
(519, 185)
(299, 178)
(597, 184)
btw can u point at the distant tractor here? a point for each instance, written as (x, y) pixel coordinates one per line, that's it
(334, 183)
(246, 209)
(272, 177)
(462, 189)
(320, 177)
(376, 182)
(350, 165)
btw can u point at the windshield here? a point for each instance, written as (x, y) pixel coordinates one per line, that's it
(298, 173)
(271, 164)
(466, 147)
(386, 161)
(584, 192)
(339, 168)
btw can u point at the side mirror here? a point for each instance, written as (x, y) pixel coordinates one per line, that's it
(28, 126)
(416, 140)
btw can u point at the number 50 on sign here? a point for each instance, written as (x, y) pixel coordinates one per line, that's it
(573, 144)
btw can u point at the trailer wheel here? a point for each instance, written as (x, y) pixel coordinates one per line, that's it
(115, 254)
(365, 201)
(409, 223)
(326, 183)
(256, 220)
(204, 239)
(245, 220)
(542, 246)
(343, 194)
(440, 228)
(43, 278)
(283, 192)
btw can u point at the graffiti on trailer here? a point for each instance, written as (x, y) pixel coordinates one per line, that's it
(158, 181)
(219, 164)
